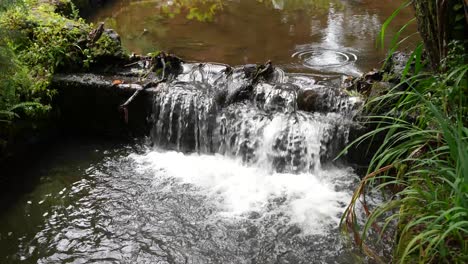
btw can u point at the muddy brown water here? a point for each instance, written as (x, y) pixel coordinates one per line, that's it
(300, 35)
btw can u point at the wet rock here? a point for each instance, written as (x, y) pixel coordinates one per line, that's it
(264, 72)
(257, 73)
(279, 97)
(363, 84)
(307, 100)
(169, 63)
(395, 66)
(360, 155)
(249, 70)
(380, 88)
(324, 99)
(254, 215)
(89, 104)
(216, 109)
(242, 94)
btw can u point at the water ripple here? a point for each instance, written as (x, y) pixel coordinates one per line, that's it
(317, 58)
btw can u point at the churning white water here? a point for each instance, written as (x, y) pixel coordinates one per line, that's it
(313, 201)
(244, 143)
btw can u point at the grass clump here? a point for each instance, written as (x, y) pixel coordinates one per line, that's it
(421, 166)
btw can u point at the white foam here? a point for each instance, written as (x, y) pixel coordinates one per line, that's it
(311, 200)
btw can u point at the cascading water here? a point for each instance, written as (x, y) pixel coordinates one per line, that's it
(260, 156)
(240, 172)
(212, 108)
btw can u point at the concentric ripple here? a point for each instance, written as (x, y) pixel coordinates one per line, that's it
(322, 59)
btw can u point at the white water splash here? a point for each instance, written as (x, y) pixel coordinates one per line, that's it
(313, 201)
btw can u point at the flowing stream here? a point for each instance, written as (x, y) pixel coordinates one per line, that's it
(234, 170)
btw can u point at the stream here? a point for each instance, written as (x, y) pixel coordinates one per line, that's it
(234, 169)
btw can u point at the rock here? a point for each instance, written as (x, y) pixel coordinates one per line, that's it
(113, 35)
(264, 72)
(395, 66)
(278, 97)
(249, 70)
(363, 84)
(244, 93)
(307, 100)
(380, 88)
(257, 72)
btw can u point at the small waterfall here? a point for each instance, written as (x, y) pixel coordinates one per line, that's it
(185, 112)
(279, 122)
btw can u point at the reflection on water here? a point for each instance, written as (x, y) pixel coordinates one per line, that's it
(98, 203)
(319, 36)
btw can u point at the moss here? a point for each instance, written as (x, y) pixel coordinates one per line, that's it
(43, 41)
(39, 39)
(46, 42)
(106, 49)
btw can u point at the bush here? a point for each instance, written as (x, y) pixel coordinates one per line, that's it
(40, 38)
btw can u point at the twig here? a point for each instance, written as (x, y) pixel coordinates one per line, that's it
(124, 106)
(261, 71)
(136, 62)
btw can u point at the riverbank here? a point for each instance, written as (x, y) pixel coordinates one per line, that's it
(40, 39)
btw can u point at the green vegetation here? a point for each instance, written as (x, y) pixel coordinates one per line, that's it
(38, 39)
(422, 165)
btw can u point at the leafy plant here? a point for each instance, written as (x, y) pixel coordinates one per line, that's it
(37, 41)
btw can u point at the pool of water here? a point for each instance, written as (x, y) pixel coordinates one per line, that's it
(321, 36)
(101, 202)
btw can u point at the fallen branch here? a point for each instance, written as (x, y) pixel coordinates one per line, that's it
(124, 106)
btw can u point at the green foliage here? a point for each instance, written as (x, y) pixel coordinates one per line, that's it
(14, 78)
(104, 47)
(40, 38)
(44, 41)
(423, 163)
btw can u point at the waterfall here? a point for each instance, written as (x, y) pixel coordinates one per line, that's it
(284, 123)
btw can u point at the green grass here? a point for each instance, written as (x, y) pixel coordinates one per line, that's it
(423, 164)
(421, 167)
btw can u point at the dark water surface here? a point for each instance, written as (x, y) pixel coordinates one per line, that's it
(299, 35)
(90, 202)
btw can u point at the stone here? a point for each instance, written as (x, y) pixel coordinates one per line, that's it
(307, 100)
(113, 35)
